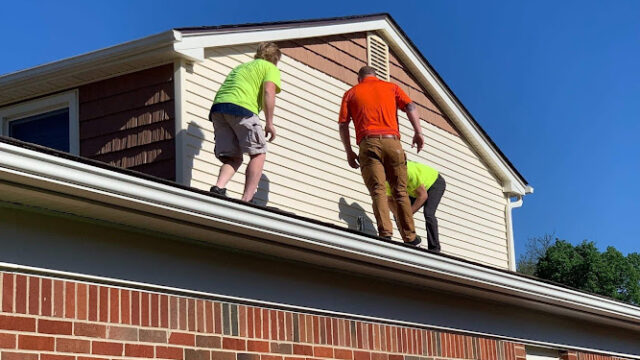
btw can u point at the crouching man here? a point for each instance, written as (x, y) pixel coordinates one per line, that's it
(425, 186)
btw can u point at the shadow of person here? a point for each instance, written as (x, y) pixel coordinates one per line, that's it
(190, 141)
(356, 217)
(261, 198)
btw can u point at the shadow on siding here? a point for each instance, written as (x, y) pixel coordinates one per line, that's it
(355, 217)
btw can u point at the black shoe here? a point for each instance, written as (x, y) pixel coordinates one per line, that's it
(386, 237)
(415, 241)
(435, 250)
(218, 191)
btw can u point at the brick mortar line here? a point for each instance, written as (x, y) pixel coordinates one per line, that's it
(195, 347)
(179, 295)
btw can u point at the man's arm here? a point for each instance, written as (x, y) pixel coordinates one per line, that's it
(352, 157)
(421, 197)
(412, 112)
(269, 104)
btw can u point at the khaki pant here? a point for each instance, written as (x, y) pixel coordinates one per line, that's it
(382, 159)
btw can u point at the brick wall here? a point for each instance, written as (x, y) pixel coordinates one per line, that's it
(45, 318)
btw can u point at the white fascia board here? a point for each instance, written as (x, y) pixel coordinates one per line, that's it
(512, 183)
(254, 35)
(109, 54)
(71, 177)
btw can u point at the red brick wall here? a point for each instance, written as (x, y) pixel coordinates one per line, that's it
(45, 318)
(128, 121)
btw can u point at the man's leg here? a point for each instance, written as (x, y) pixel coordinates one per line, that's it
(373, 175)
(229, 167)
(435, 193)
(227, 148)
(252, 177)
(251, 141)
(395, 165)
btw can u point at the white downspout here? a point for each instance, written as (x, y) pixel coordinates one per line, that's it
(510, 243)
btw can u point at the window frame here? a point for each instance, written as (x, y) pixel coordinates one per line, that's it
(68, 99)
(541, 353)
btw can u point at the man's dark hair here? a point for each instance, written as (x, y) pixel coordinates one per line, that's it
(366, 71)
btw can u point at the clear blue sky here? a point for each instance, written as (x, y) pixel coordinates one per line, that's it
(556, 84)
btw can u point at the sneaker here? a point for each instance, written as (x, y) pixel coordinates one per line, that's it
(218, 191)
(386, 237)
(415, 241)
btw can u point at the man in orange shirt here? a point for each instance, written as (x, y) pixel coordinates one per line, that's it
(372, 105)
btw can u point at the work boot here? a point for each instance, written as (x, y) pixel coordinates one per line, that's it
(218, 191)
(415, 241)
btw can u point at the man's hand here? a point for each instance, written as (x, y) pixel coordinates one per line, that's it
(418, 141)
(412, 113)
(352, 158)
(270, 131)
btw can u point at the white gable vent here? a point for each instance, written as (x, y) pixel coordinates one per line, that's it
(378, 55)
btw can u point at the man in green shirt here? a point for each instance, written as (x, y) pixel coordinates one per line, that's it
(425, 186)
(248, 89)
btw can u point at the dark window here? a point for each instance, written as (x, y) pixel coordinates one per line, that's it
(49, 129)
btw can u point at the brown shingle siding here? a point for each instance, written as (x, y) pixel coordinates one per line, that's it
(129, 121)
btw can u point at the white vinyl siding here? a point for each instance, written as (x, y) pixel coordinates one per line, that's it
(307, 170)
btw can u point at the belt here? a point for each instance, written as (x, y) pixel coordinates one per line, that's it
(382, 136)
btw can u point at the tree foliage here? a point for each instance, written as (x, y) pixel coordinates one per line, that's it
(535, 248)
(584, 267)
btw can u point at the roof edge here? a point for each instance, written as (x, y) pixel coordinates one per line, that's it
(101, 185)
(130, 47)
(276, 24)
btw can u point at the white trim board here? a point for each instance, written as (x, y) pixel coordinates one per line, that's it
(283, 233)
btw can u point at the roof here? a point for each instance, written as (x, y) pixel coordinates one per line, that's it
(190, 42)
(43, 178)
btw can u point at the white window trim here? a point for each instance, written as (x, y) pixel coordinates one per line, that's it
(541, 353)
(67, 99)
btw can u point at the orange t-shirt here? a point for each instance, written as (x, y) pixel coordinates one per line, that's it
(373, 105)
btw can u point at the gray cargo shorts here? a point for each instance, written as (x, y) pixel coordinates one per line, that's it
(236, 135)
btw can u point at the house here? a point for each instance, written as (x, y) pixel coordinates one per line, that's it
(113, 248)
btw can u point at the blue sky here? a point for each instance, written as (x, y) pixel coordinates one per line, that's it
(556, 84)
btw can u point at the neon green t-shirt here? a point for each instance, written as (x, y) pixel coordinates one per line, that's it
(417, 174)
(243, 85)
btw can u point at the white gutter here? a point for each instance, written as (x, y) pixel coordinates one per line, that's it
(66, 176)
(510, 241)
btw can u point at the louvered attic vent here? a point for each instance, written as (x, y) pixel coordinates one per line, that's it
(378, 55)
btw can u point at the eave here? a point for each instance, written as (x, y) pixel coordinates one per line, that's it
(85, 189)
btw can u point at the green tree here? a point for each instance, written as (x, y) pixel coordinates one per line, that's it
(535, 248)
(584, 267)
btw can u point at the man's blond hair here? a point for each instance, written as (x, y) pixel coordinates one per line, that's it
(268, 51)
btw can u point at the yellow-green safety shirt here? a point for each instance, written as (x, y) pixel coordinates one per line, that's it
(417, 174)
(243, 85)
